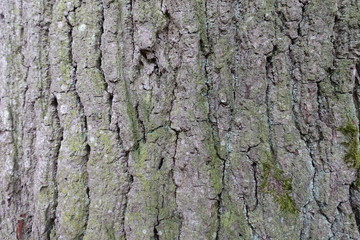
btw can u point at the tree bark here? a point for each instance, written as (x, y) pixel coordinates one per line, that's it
(193, 119)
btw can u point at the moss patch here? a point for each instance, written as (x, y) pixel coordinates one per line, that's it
(353, 17)
(280, 187)
(351, 134)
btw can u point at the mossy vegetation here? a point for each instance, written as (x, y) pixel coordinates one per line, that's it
(280, 187)
(131, 112)
(200, 10)
(351, 133)
(155, 187)
(234, 221)
(149, 11)
(353, 17)
(356, 184)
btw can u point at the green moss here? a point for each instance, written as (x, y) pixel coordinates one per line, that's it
(131, 111)
(269, 5)
(224, 57)
(233, 222)
(141, 156)
(343, 67)
(351, 133)
(64, 58)
(156, 188)
(73, 191)
(354, 17)
(215, 164)
(201, 19)
(211, 143)
(77, 142)
(286, 203)
(106, 141)
(342, 75)
(145, 108)
(150, 12)
(216, 178)
(280, 187)
(356, 184)
(97, 81)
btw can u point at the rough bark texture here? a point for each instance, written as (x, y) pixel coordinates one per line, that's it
(191, 119)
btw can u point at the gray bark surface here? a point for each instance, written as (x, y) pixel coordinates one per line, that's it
(194, 119)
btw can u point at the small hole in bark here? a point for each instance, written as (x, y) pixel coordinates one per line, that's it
(87, 148)
(144, 52)
(88, 191)
(161, 163)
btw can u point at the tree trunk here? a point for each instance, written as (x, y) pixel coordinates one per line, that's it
(191, 119)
